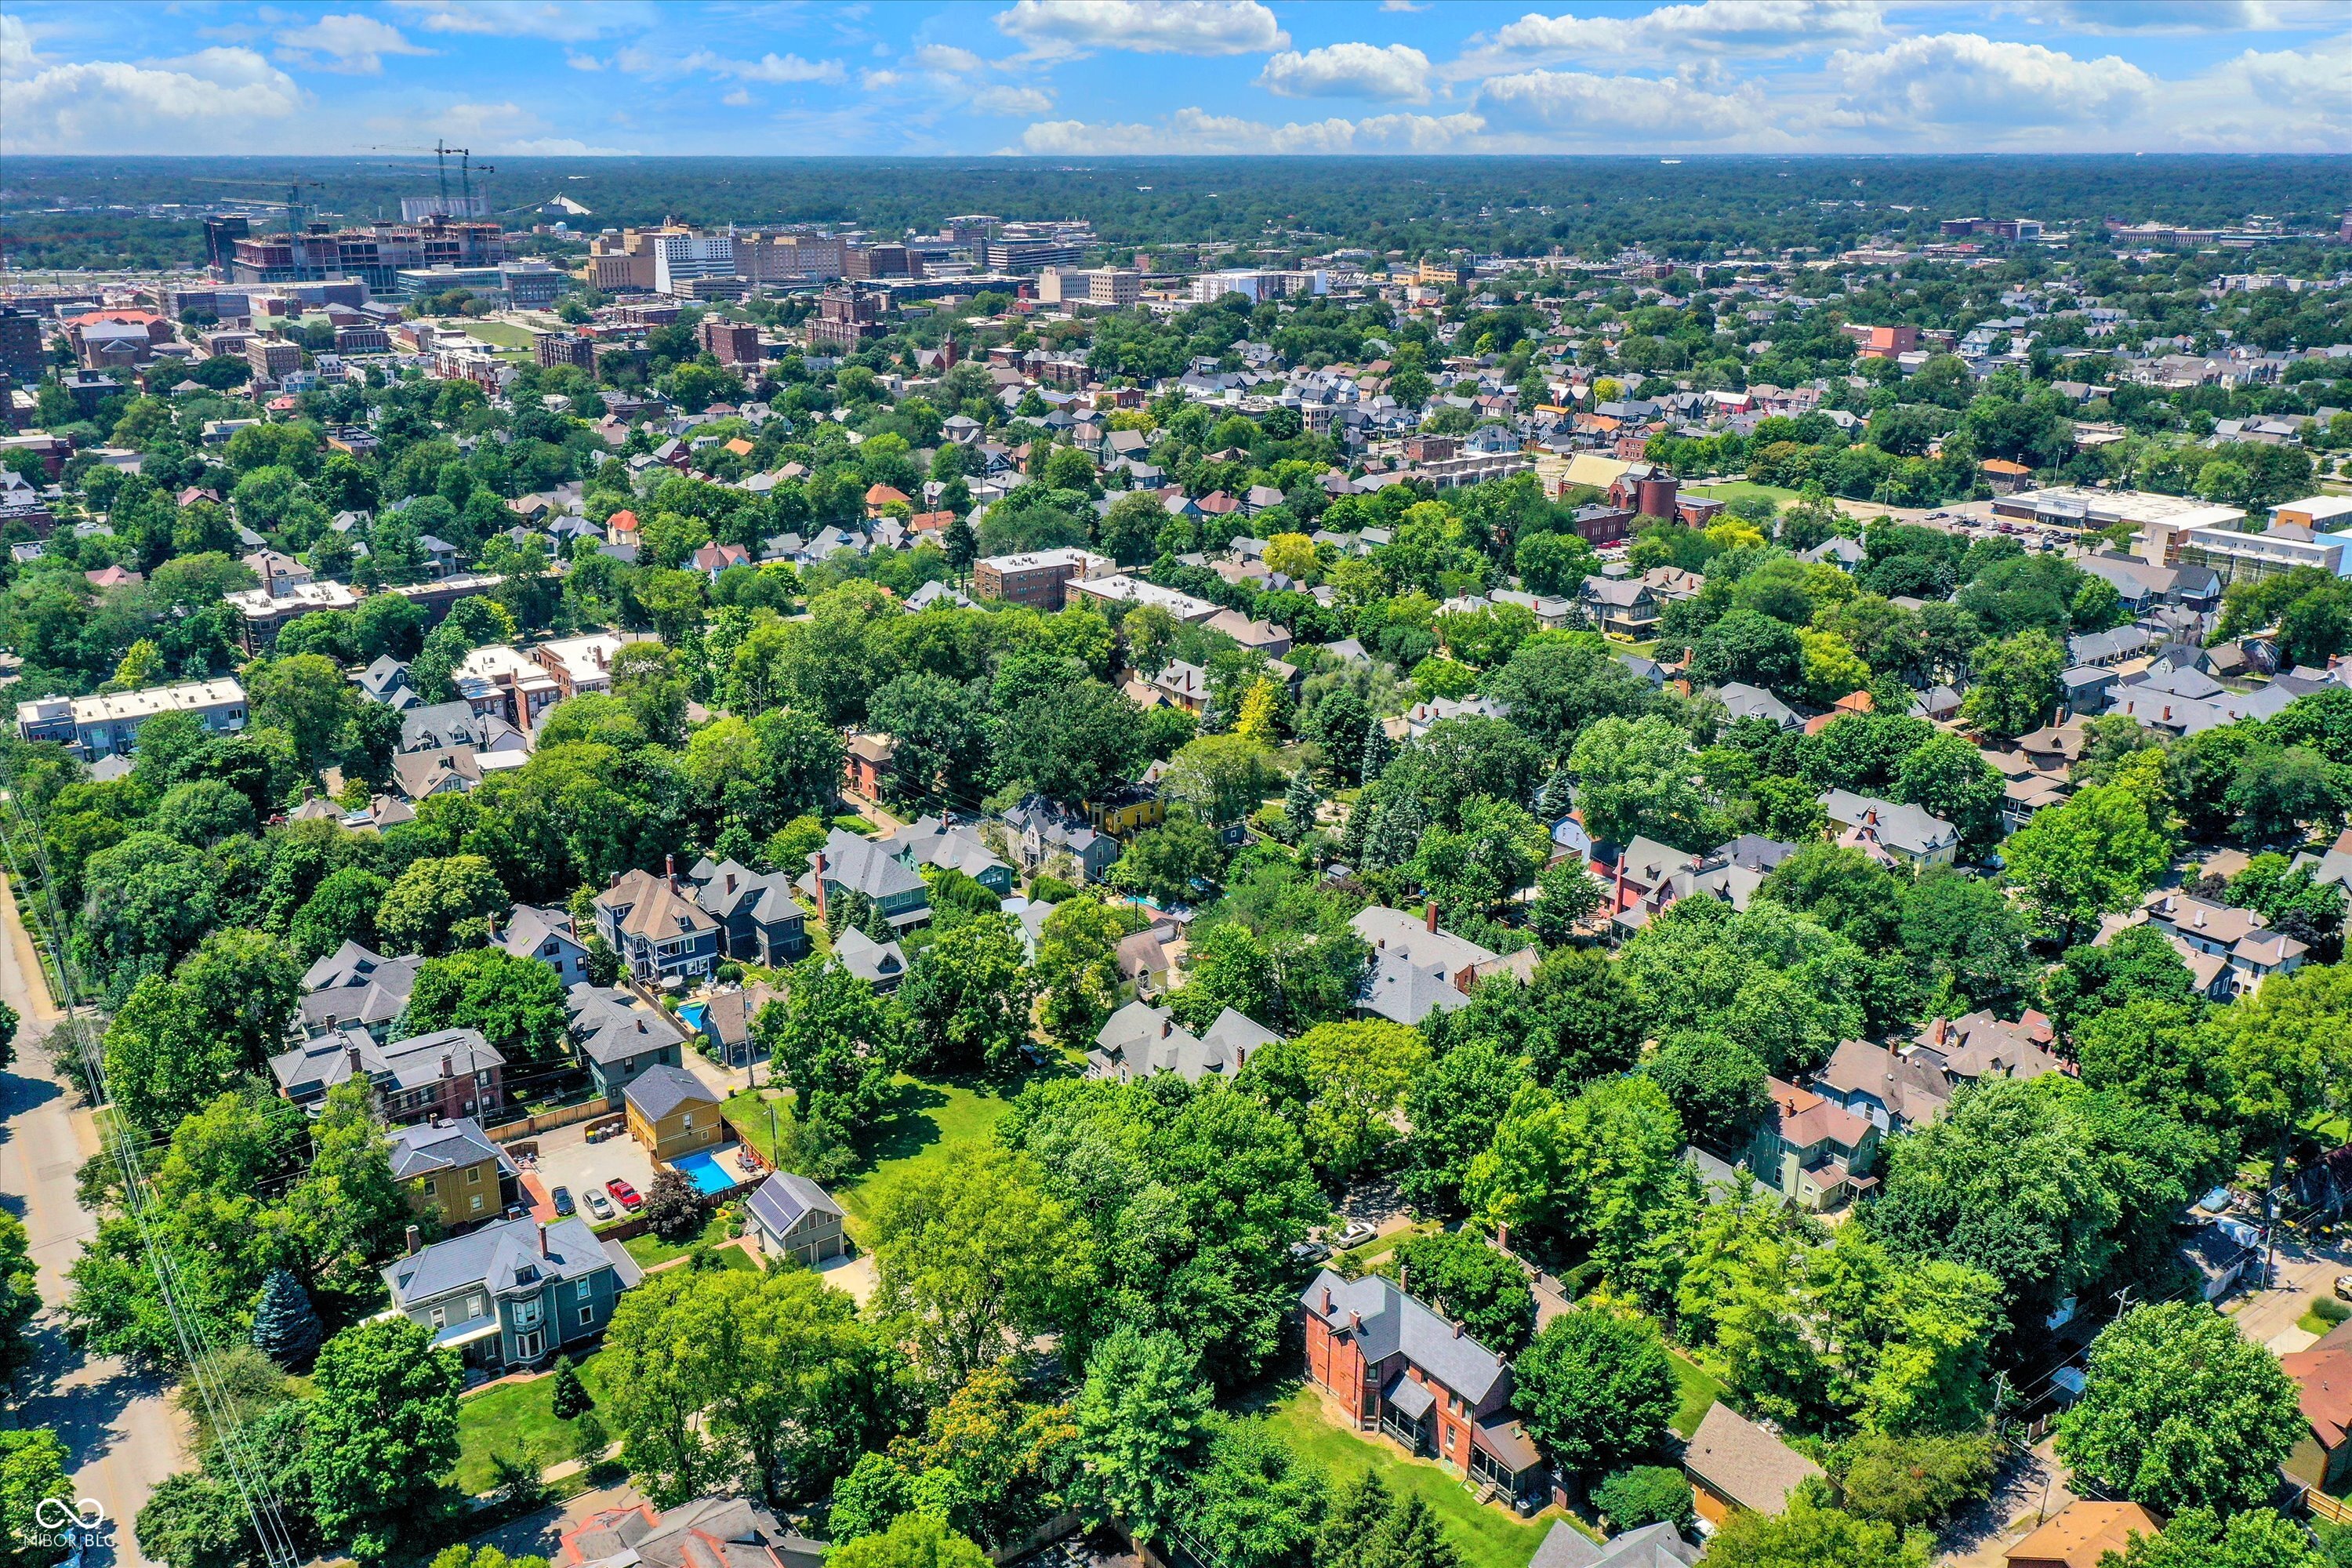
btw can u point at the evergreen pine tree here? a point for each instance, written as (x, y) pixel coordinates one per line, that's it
(571, 1396)
(284, 1329)
(876, 928)
(1556, 798)
(1298, 803)
(962, 546)
(1396, 834)
(1359, 1508)
(1410, 1538)
(1377, 750)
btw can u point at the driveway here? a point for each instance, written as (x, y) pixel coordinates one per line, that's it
(566, 1159)
(121, 1434)
(2300, 1273)
(2031, 1486)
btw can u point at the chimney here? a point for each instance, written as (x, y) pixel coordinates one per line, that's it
(817, 876)
(1327, 1301)
(1402, 1282)
(356, 1068)
(1503, 1236)
(1355, 1322)
(544, 1253)
(415, 1241)
(449, 1065)
(730, 881)
(1457, 1327)
(1429, 915)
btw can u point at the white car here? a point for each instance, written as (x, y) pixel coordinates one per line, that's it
(598, 1204)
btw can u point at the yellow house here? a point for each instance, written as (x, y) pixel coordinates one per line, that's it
(672, 1114)
(1128, 810)
(453, 1173)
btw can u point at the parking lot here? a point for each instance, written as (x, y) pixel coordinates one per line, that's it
(566, 1159)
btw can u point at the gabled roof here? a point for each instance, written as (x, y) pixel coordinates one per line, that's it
(611, 1027)
(1913, 1090)
(784, 1199)
(1740, 1460)
(1388, 1322)
(662, 1089)
(431, 1146)
(658, 910)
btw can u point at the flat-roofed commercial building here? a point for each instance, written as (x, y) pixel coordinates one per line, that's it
(103, 726)
(2317, 532)
(2075, 507)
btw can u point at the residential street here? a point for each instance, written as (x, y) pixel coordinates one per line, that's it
(119, 1429)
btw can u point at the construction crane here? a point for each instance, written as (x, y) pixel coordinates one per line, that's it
(293, 189)
(442, 152)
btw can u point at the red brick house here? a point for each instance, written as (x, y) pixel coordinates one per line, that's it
(1402, 1370)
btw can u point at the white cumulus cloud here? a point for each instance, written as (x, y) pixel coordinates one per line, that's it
(1059, 28)
(1012, 100)
(948, 57)
(352, 43)
(1397, 73)
(213, 100)
(769, 67)
(1947, 81)
(1673, 33)
(2193, 16)
(1578, 106)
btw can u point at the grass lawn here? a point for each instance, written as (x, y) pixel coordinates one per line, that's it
(933, 1122)
(515, 1419)
(1700, 1389)
(1487, 1535)
(1737, 488)
(649, 1250)
(503, 335)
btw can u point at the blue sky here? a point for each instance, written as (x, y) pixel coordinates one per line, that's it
(1066, 79)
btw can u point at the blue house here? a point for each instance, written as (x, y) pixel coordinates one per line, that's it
(660, 932)
(512, 1294)
(760, 919)
(617, 1039)
(848, 864)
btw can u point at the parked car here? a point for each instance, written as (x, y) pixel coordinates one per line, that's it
(598, 1205)
(625, 1195)
(1354, 1233)
(2344, 1287)
(562, 1198)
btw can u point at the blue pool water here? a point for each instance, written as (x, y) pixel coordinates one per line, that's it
(691, 1013)
(711, 1173)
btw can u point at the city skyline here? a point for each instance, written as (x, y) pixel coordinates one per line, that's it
(1076, 78)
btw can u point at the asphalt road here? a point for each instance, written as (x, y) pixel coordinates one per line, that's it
(120, 1429)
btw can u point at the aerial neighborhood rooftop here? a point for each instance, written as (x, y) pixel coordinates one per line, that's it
(1334, 882)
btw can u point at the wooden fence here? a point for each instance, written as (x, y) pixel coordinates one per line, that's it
(562, 1115)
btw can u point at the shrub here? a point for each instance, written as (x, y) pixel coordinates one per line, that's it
(2328, 1310)
(1646, 1494)
(1050, 890)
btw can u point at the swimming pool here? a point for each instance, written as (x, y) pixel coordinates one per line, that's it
(691, 1013)
(711, 1170)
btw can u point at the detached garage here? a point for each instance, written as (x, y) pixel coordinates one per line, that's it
(795, 1218)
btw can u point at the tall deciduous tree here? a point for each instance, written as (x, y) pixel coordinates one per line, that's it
(383, 1434)
(2181, 1411)
(1144, 1420)
(2096, 853)
(1596, 1390)
(969, 995)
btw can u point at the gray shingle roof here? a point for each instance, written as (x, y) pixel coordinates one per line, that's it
(662, 1089)
(428, 1147)
(1394, 1323)
(505, 1255)
(610, 1026)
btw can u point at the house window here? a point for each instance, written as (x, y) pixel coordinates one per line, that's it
(474, 1177)
(584, 1290)
(527, 1313)
(688, 1123)
(587, 1315)
(474, 1306)
(432, 1187)
(440, 1318)
(477, 1202)
(529, 1346)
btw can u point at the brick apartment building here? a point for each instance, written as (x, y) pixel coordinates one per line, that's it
(845, 317)
(729, 342)
(1037, 578)
(552, 349)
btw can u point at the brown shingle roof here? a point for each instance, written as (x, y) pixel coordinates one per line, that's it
(1739, 1460)
(2084, 1533)
(2324, 1376)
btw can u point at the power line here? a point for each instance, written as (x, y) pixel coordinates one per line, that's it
(254, 1487)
